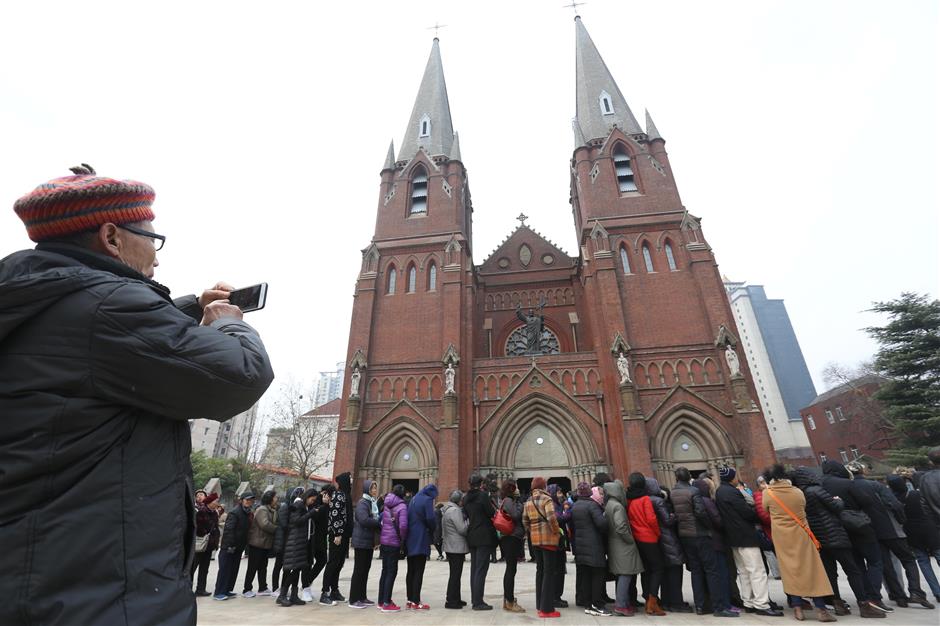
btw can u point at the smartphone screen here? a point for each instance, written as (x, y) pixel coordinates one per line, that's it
(250, 298)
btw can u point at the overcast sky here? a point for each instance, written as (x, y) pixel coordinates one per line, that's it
(804, 134)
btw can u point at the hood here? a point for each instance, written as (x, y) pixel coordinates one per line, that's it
(344, 482)
(552, 490)
(295, 493)
(366, 486)
(615, 491)
(430, 491)
(803, 477)
(897, 483)
(33, 280)
(834, 468)
(391, 501)
(653, 488)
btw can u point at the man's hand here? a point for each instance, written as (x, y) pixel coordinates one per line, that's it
(337, 541)
(219, 291)
(219, 309)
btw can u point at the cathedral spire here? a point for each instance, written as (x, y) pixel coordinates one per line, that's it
(600, 105)
(430, 126)
(651, 131)
(390, 157)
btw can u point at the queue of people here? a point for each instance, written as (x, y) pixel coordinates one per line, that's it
(638, 535)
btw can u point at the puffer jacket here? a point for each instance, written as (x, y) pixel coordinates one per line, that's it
(394, 513)
(714, 516)
(590, 531)
(263, 527)
(690, 512)
(921, 532)
(454, 528)
(822, 510)
(283, 514)
(668, 539)
(99, 373)
(366, 525)
(838, 482)
(421, 521)
(237, 526)
(300, 531)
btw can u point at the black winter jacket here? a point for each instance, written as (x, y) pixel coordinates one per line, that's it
(738, 518)
(886, 513)
(479, 510)
(692, 517)
(838, 482)
(283, 514)
(590, 533)
(300, 532)
(822, 510)
(921, 532)
(99, 373)
(668, 539)
(237, 525)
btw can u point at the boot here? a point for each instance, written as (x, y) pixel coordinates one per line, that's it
(867, 610)
(282, 597)
(798, 613)
(294, 598)
(824, 616)
(652, 606)
(841, 607)
(512, 606)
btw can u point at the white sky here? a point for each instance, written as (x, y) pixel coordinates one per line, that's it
(803, 133)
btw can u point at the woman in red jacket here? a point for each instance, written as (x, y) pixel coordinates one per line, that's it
(646, 533)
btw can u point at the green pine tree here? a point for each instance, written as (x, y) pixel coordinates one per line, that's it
(909, 358)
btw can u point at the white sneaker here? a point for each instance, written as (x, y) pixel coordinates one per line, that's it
(249, 594)
(266, 592)
(305, 595)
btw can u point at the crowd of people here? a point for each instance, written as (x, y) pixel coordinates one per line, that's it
(795, 525)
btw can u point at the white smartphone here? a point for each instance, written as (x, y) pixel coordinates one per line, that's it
(250, 298)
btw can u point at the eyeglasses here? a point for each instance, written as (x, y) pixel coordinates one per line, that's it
(158, 240)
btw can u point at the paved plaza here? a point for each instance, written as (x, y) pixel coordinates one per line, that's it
(263, 610)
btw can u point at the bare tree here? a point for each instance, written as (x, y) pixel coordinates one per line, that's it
(874, 426)
(298, 441)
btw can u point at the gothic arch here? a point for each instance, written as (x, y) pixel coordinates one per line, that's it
(401, 433)
(540, 409)
(715, 445)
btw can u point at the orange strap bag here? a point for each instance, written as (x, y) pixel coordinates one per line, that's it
(812, 537)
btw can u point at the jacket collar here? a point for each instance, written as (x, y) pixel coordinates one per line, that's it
(101, 262)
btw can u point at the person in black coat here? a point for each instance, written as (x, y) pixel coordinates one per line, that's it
(280, 535)
(923, 533)
(822, 513)
(317, 550)
(857, 502)
(297, 545)
(100, 371)
(233, 544)
(669, 543)
(590, 550)
(481, 537)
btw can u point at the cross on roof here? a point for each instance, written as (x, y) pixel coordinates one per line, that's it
(522, 218)
(437, 27)
(574, 6)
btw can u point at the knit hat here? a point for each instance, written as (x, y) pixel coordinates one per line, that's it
(538, 483)
(726, 474)
(212, 497)
(584, 490)
(83, 202)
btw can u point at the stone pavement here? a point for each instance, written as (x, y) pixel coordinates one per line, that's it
(263, 610)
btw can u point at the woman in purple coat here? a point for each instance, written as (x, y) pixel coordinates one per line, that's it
(393, 536)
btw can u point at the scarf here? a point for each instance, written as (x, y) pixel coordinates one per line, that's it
(597, 494)
(375, 505)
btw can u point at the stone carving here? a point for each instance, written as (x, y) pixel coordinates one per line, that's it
(525, 255)
(534, 323)
(354, 383)
(624, 368)
(449, 375)
(733, 363)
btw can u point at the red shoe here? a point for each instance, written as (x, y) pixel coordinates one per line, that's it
(409, 605)
(391, 607)
(626, 611)
(417, 606)
(545, 615)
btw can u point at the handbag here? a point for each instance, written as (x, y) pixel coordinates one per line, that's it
(854, 520)
(503, 523)
(812, 537)
(202, 543)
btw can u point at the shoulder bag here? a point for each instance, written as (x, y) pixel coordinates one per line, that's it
(812, 537)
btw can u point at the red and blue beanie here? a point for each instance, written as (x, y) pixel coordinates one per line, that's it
(83, 202)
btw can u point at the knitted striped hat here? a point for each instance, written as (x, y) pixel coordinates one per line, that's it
(83, 202)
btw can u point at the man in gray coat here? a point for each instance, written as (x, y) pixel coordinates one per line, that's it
(100, 372)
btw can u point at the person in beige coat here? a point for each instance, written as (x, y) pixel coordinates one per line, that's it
(800, 565)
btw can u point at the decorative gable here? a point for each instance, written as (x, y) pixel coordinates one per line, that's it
(525, 249)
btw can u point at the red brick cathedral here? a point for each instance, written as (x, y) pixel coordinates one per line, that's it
(621, 358)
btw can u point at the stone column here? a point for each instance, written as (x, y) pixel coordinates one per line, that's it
(449, 402)
(742, 400)
(353, 404)
(628, 401)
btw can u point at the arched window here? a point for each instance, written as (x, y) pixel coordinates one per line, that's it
(424, 126)
(669, 257)
(607, 106)
(624, 170)
(412, 279)
(624, 260)
(647, 258)
(392, 276)
(419, 191)
(432, 277)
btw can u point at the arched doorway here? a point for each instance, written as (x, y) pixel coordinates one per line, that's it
(688, 438)
(402, 453)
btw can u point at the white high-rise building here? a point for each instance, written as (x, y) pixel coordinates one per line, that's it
(235, 437)
(330, 385)
(775, 359)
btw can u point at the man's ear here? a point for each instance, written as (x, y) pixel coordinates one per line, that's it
(109, 240)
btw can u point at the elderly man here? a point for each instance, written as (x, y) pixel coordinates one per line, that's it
(100, 372)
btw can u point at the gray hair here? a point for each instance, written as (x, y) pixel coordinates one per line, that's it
(456, 496)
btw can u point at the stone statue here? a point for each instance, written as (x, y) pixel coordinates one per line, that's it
(624, 369)
(534, 323)
(449, 375)
(733, 363)
(354, 383)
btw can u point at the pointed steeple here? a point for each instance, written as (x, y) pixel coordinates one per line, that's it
(600, 105)
(430, 125)
(578, 135)
(390, 157)
(651, 131)
(455, 149)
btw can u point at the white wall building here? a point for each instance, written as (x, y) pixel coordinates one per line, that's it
(330, 385)
(236, 437)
